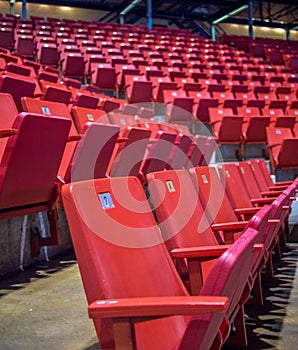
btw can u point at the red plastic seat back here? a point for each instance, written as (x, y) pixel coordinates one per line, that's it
(181, 217)
(17, 88)
(93, 152)
(82, 115)
(235, 187)
(159, 152)
(8, 114)
(114, 234)
(50, 108)
(288, 155)
(212, 194)
(231, 271)
(31, 160)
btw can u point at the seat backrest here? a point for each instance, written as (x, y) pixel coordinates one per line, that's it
(249, 179)
(212, 194)
(114, 233)
(31, 160)
(129, 155)
(262, 168)
(93, 152)
(50, 108)
(82, 115)
(260, 171)
(275, 136)
(181, 217)
(159, 152)
(17, 88)
(231, 271)
(178, 157)
(8, 114)
(235, 187)
(288, 155)
(230, 129)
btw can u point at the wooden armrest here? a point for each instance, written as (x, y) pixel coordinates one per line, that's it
(262, 200)
(244, 211)
(8, 132)
(157, 306)
(271, 193)
(229, 226)
(199, 252)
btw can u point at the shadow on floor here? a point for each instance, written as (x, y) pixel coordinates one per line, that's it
(265, 323)
(42, 269)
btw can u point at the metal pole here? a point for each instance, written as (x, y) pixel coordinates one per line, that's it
(250, 21)
(24, 9)
(11, 7)
(213, 32)
(288, 34)
(149, 14)
(122, 19)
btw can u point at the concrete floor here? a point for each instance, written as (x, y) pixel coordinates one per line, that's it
(45, 308)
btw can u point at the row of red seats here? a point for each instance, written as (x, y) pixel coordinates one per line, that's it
(280, 52)
(186, 257)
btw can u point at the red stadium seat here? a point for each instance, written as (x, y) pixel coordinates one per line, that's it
(166, 292)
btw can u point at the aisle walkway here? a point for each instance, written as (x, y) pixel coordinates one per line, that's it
(45, 308)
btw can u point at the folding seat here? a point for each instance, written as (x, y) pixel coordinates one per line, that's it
(170, 191)
(8, 115)
(6, 37)
(254, 127)
(278, 118)
(226, 127)
(19, 69)
(278, 104)
(130, 151)
(138, 90)
(187, 84)
(10, 58)
(50, 108)
(151, 72)
(55, 92)
(157, 157)
(65, 49)
(202, 112)
(197, 151)
(159, 294)
(159, 85)
(145, 113)
(265, 182)
(221, 213)
(93, 153)
(122, 72)
(83, 98)
(243, 206)
(24, 46)
(122, 120)
(73, 65)
(38, 167)
(83, 115)
(173, 72)
(284, 93)
(17, 87)
(104, 76)
(180, 106)
(47, 54)
(153, 126)
(178, 158)
(281, 146)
